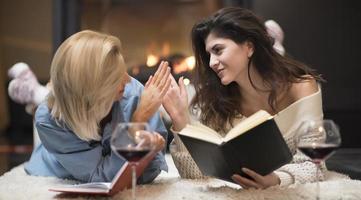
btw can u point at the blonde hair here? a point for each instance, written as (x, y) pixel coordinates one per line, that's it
(85, 73)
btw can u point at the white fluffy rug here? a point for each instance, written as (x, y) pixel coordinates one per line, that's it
(16, 184)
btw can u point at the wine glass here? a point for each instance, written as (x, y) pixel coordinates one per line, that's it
(318, 139)
(132, 141)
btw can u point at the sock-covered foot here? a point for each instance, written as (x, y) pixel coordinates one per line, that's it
(276, 32)
(25, 88)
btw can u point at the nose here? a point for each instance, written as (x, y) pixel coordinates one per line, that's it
(213, 62)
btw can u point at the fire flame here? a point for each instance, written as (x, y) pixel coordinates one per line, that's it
(152, 60)
(191, 62)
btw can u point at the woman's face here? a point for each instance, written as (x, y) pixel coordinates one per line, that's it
(121, 87)
(227, 58)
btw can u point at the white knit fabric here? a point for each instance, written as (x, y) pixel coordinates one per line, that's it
(300, 170)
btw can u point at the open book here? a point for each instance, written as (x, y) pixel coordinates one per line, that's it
(255, 143)
(121, 180)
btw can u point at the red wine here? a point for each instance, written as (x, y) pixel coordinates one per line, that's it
(132, 154)
(317, 152)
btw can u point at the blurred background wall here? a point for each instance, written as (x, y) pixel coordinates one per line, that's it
(25, 35)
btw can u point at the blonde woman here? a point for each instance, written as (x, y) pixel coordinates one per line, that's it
(90, 93)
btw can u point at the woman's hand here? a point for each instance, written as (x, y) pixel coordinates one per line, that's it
(153, 139)
(258, 182)
(175, 102)
(159, 142)
(152, 96)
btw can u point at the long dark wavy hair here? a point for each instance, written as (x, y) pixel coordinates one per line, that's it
(220, 104)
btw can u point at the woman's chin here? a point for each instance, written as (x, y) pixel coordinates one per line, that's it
(225, 81)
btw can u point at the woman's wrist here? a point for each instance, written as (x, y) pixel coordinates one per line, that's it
(139, 117)
(180, 121)
(285, 178)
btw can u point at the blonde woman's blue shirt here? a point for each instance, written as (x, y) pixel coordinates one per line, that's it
(62, 154)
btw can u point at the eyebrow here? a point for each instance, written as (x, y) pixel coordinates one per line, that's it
(213, 47)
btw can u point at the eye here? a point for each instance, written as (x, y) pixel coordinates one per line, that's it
(217, 50)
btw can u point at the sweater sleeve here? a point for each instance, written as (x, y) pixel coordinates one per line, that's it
(300, 170)
(183, 161)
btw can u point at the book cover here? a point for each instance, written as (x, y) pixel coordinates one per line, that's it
(122, 180)
(255, 143)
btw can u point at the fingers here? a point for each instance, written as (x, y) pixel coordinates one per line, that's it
(174, 88)
(156, 74)
(160, 74)
(236, 179)
(182, 88)
(173, 82)
(159, 141)
(164, 78)
(142, 138)
(149, 81)
(165, 88)
(257, 177)
(159, 68)
(160, 78)
(245, 182)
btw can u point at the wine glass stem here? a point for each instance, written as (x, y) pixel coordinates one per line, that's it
(318, 164)
(134, 180)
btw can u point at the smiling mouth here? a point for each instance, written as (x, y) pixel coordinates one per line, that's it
(219, 72)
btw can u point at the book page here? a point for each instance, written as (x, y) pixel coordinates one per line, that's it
(201, 132)
(95, 187)
(99, 185)
(252, 121)
(81, 189)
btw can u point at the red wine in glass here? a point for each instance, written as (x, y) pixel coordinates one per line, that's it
(317, 139)
(132, 154)
(318, 152)
(132, 141)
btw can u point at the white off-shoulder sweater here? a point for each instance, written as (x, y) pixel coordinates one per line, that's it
(299, 170)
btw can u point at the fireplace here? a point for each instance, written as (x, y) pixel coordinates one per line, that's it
(150, 30)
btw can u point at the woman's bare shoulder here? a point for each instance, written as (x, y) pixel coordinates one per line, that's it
(303, 89)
